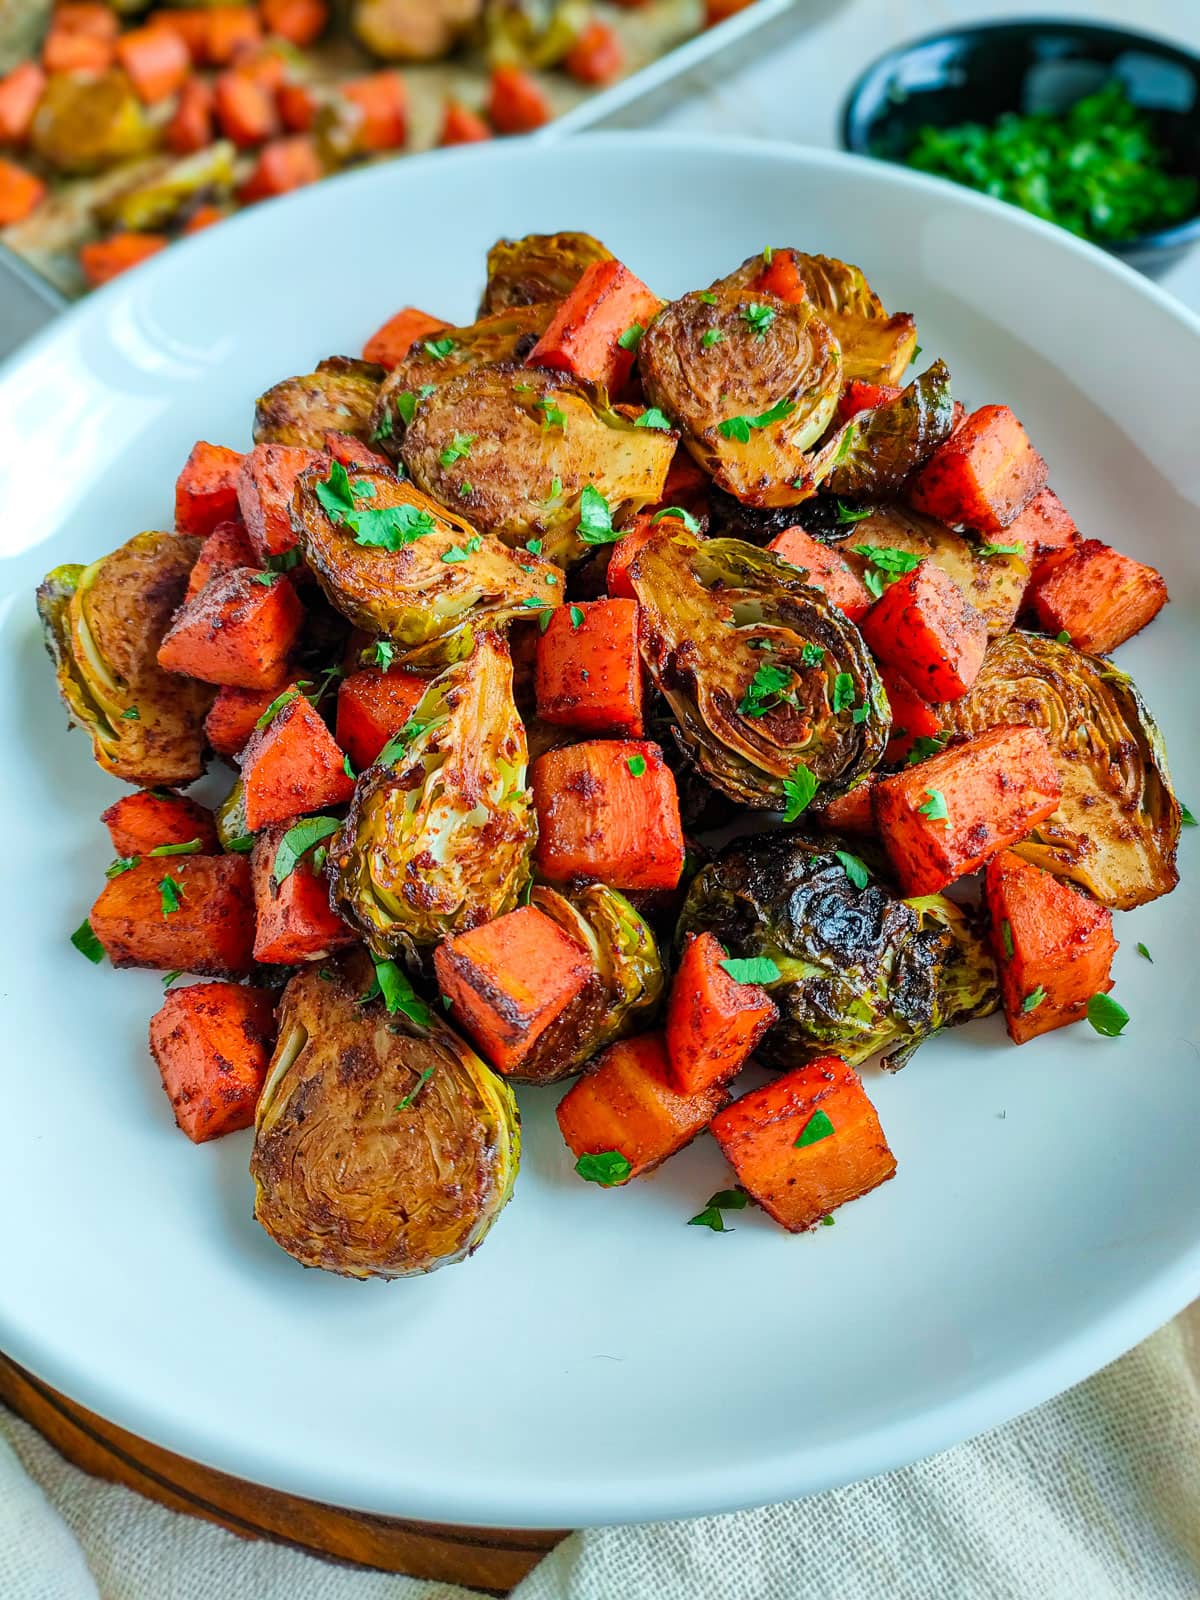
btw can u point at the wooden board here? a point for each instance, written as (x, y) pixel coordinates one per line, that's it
(484, 1558)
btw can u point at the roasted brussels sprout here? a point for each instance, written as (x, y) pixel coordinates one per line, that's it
(875, 347)
(1117, 826)
(860, 971)
(83, 125)
(538, 268)
(171, 189)
(339, 397)
(383, 1146)
(440, 830)
(103, 625)
(753, 382)
(532, 33)
(763, 674)
(427, 594)
(518, 447)
(873, 454)
(413, 30)
(507, 336)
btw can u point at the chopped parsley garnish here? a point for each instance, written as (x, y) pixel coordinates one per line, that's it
(384, 652)
(653, 418)
(556, 488)
(811, 655)
(553, 416)
(1185, 816)
(388, 528)
(759, 318)
(171, 894)
(348, 769)
(886, 563)
(399, 742)
(458, 449)
(242, 845)
(422, 1079)
(120, 865)
(546, 618)
(768, 255)
(769, 687)
(297, 841)
(856, 869)
(169, 977)
(595, 517)
(1001, 549)
(384, 428)
(1144, 953)
(399, 995)
(576, 615)
(466, 489)
(265, 578)
(532, 603)
(817, 1127)
(1106, 1015)
(281, 700)
(132, 715)
(1033, 999)
(406, 405)
(636, 765)
(751, 969)
(708, 297)
(738, 428)
(1062, 638)
(632, 336)
(710, 1217)
(681, 514)
(935, 807)
(843, 692)
(828, 1221)
(285, 560)
(799, 787)
(607, 1168)
(1006, 938)
(86, 942)
(191, 848)
(710, 337)
(460, 552)
(439, 349)
(850, 514)
(927, 745)
(534, 546)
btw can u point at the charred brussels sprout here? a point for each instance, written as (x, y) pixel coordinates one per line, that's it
(103, 625)
(532, 33)
(518, 448)
(439, 834)
(860, 971)
(875, 347)
(339, 397)
(413, 30)
(422, 577)
(383, 1147)
(762, 673)
(84, 124)
(873, 454)
(753, 382)
(171, 189)
(1117, 826)
(538, 268)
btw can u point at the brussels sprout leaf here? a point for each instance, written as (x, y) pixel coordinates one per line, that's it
(607, 1168)
(86, 942)
(817, 1127)
(285, 560)
(297, 841)
(799, 788)
(753, 969)
(1106, 1015)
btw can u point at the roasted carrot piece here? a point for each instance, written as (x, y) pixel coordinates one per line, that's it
(946, 816)
(390, 344)
(1098, 596)
(230, 31)
(206, 489)
(511, 980)
(213, 1043)
(913, 717)
(714, 1023)
(64, 52)
(91, 18)
(1053, 946)
(354, 454)
(106, 259)
(806, 1144)
(461, 125)
(608, 809)
(292, 766)
(851, 812)
(984, 475)
(156, 62)
(372, 706)
(1046, 530)
(140, 822)
(597, 56)
(203, 217)
(244, 108)
(20, 91)
(826, 570)
(282, 165)
(687, 484)
(516, 103)
(265, 485)
(585, 333)
(299, 21)
(234, 713)
(191, 912)
(225, 548)
(589, 669)
(716, 11)
(780, 276)
(20, 193)
(382, 102)
(191, 125)
(621, 554)
(239, 630)
(627, 1106)
(294, 920)
(859, 396)
(190, 24)
(297, 107)
(925, 629)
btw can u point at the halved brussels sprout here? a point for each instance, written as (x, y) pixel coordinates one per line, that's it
(83, 125)
(382, 1147)
(1117, 826)
(157, 198)
(517, 447)
(753, 382)
(506, 336)
(875, 347)
(413, 30)
(871, 456)
(540, 267)
(532, 33)
(439, 834)
(763, 674)
(859, 970)
(428, 594)
(339, 397)
(103, 625)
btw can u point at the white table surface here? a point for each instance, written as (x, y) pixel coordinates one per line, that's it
(797, 93)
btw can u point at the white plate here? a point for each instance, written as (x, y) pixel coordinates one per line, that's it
(599, 1360)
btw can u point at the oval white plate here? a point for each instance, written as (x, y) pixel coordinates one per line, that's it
(599, 1360)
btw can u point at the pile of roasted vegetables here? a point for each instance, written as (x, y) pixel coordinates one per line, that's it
(504, 626)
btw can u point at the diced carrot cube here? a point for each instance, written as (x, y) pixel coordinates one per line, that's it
(138, 823)
(913, 717)
(353, 454)
(282, 165)
(717, 11)
(1053, 946)
(512, 980)
(925, 629)
(597, 56)
(234, 713)
(239, 630)
(714, 1023)
(212, 1043)
(92, 19)
(687, 484)
(244, 108)
(206, 489)
(1098, 596)
(984, 475)
(859, 396)
(20, 193)
(1046, 530)
(225, 548)
(461, 125)
(291, 767)
(191, 125)
(621, 554)
(585, 333)
(265, 486)
(301, 22)
(203, 217)
(806, 1144)
(230, 32)
(946, 816)
(190, 24)
(294, 920)
(390, 344)
(201, 920)
(608, 809)
(851, 812)
(373, 706)
(627, 1105)
(20, 91)
(83, 53)
(516, 103)
(826, 570)
(156, 62)
(105, 259)
(382, 104)
(589, 669)
(297, 107)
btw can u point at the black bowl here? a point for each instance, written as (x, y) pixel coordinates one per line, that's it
(974, 74)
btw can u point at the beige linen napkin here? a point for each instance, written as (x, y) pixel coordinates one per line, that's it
(1094, 1496)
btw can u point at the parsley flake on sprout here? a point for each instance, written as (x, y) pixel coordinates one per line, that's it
(770, 686)
(738, 428)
